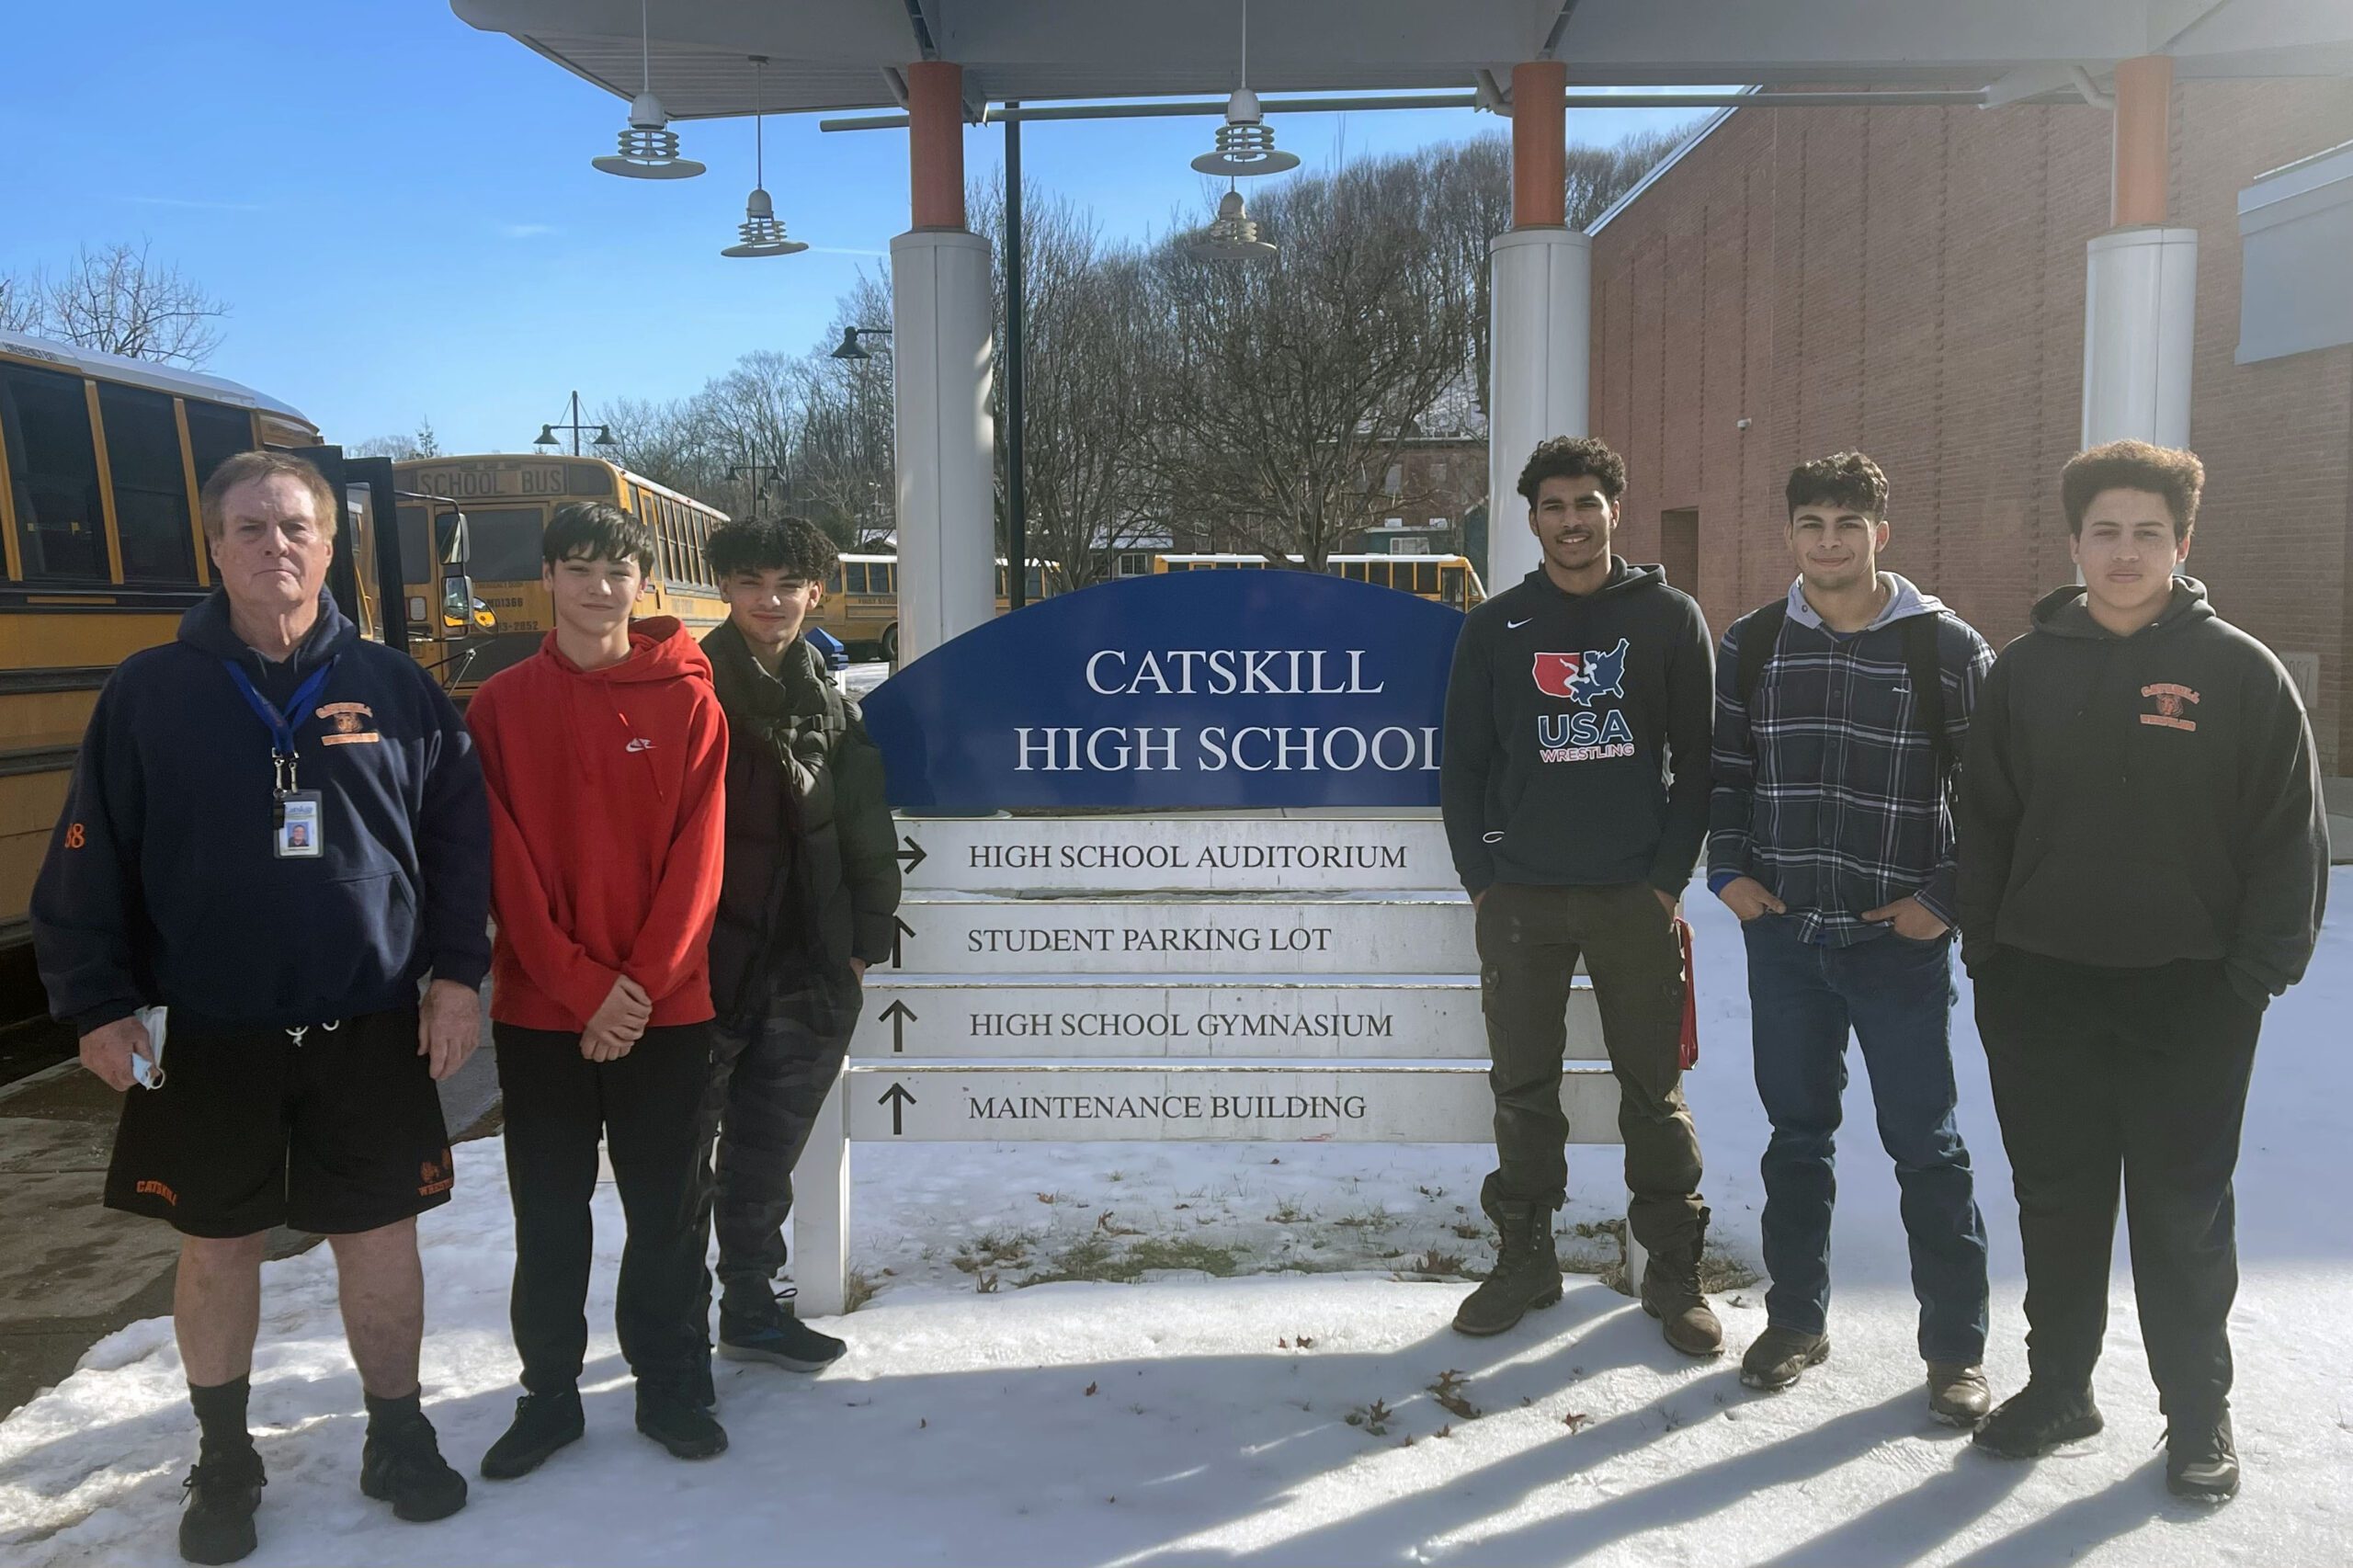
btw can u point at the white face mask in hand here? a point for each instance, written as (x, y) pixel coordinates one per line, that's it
(148, 1066)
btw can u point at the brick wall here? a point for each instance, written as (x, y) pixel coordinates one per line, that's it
(1911, 281)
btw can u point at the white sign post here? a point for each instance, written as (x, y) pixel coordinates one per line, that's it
(1219, 977)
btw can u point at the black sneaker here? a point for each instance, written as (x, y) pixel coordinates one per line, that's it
(223, 1490)
(2202, 1461)
(403, 1466)
(762, 1328)
(543, 1423)
(672, 1417)
(2039, 1418)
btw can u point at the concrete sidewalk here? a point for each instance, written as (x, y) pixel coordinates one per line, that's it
(72, 1271)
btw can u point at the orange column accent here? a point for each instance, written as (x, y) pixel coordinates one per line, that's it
(1539, 141)
(936, 144)
(2143, 140)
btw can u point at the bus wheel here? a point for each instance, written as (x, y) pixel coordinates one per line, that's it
(891, 644)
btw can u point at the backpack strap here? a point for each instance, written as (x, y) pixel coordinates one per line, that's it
(1921, 663)
(1758, 639)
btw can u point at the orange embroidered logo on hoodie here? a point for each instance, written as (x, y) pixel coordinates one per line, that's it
(2169, 699)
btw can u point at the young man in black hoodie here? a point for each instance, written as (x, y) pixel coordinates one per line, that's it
(275, 829)
(2144, 864)
(1575, 787)
(807, 901)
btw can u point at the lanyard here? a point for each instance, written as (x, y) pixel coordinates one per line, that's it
(281, 726)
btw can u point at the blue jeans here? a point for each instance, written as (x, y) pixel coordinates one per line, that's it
(1896, 994)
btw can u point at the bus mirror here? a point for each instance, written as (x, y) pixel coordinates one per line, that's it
(456, 603)
(451, 538)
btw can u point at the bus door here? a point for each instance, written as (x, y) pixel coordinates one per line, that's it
(366, 543)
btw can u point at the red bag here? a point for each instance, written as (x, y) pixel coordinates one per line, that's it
(1690, 1057)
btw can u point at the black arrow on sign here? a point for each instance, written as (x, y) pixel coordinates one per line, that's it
(898, 1099)
(897, 951)
(912, 855)
(901, 1015)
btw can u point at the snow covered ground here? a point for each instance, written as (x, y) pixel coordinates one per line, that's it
(1313, 1408)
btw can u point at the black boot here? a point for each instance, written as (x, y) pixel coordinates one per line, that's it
(1671, 1294)
(2202, 1461)
(402, 1464)
(1527, 1272)
(543, 1423)
(223, 1490)
(2038, 1418)
(755, 1325)
(671, 1414)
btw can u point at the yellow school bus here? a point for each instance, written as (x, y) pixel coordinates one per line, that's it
(861, 603)
(472, 617)
(101, 459)
(1449, 579)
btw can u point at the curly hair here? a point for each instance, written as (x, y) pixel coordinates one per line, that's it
(2168, 472)
(1848, 480)
(1573, 456)
(787, 544)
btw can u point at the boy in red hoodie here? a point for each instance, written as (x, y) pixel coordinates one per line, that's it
(605, 755)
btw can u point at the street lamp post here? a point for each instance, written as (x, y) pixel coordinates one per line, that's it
(762, 475)
(851, 349)
(547, 432)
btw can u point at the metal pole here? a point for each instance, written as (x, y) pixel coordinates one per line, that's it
(576, 422)
(1016, 568)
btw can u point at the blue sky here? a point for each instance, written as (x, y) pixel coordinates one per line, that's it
(400, 212)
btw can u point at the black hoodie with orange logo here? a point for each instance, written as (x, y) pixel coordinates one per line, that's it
(2129, 802)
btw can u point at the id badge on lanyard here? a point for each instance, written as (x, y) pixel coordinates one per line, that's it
(297, 816)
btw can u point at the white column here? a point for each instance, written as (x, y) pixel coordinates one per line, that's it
(821, 1210)
(2140, 318)
(1540, 355)
(940, 331)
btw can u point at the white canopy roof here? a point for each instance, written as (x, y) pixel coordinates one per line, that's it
(847, 54)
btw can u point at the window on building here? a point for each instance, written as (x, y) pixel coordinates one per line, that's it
(1679, 548)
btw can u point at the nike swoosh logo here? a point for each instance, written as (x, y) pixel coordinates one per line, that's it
(641, 743)
(1515, 625)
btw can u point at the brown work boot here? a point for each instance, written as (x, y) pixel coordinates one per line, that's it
(1526, 1273)
(1959, 1395)
(1671, 1294)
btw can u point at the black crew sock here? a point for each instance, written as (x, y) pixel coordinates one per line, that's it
(220, 1414)
(391, 1415)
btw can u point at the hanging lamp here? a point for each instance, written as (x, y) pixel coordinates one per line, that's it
(1246, 143)
(761, 233)
(649, 148)
(1233, 234)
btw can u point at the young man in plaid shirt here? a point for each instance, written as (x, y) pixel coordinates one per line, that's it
(1839, 712)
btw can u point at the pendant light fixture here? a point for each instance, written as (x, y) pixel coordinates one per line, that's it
(1233, 234)
(1246, 143)
(762, 234)
(649, 148)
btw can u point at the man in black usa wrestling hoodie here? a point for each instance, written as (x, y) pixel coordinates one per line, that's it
(1575, 695)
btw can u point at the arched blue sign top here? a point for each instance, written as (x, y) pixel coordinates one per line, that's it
(1236, 688)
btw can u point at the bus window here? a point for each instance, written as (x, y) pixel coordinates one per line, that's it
(505, 543)
(150, 486)
(215, 434)
(53, 469)
(889, 573)
(853, 577)
(1033, 583)
(833, 579)
(1425, 576)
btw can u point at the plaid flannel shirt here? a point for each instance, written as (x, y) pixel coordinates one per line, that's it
(1824, 783)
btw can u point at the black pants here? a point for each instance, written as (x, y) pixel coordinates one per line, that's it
(1529, 941)
(643, 1106)
(770, 1075)
(2142, 1070)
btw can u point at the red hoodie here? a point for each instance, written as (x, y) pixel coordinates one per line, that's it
(608, 818)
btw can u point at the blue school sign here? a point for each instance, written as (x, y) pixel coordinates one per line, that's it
(1187, 690)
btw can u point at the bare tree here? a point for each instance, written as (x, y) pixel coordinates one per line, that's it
(1289, 387)
(21, 309)
(423, 443)
(119, 301)
(1089, 485)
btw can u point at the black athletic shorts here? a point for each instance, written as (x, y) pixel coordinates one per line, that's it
(340, 1133)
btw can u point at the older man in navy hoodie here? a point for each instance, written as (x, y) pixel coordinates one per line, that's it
(275, 831)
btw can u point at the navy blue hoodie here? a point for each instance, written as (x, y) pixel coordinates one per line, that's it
(161, 886)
